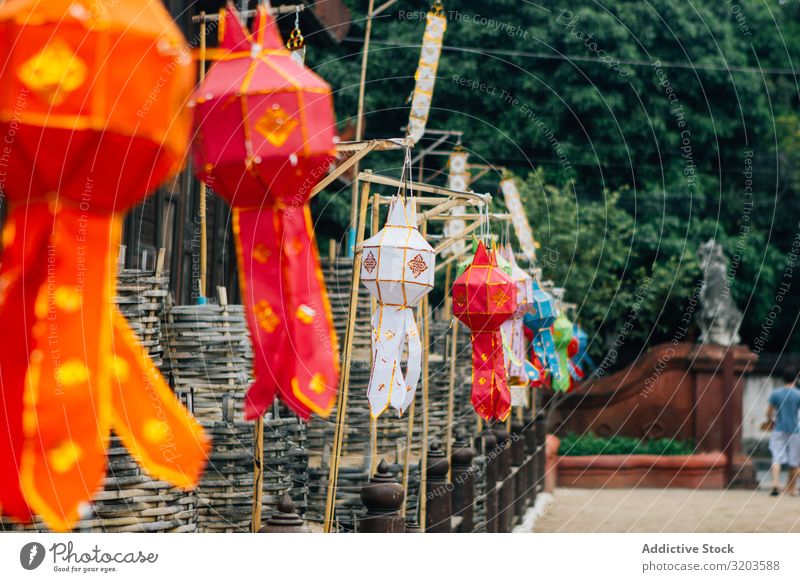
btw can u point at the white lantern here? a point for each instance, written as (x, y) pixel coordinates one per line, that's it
(514, 333)
(398, 269)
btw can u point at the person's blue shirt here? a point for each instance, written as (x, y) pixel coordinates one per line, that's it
(786, 402)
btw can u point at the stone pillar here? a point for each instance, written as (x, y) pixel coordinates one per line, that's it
(463, 478)
(490, 476)
(505, 485)
(286, 520)
(382, 497)
(439, 508)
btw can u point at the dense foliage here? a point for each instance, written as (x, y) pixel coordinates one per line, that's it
(574, 445)
(639, 129)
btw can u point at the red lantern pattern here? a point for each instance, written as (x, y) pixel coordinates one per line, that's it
(264, 137)
(483, 298)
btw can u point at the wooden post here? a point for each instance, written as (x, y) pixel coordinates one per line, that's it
(438, 490)
(258, 475)
(463, 481)
(344, 379)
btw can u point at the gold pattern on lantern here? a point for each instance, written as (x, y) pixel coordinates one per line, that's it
(370, 263)
(265, 315)
(381, 387)
(120, 368)
(500, 298)
(482, 381)
(155, 431)
(261, 253)
(389, 334)
(9, 233)
(417, 265)
(72, 372)
(484, 357)
(54, 72)
(305, 314)
(276, 125)
(65, 456)
(461, 300)
(294, 247)
(67, 298)
(317, 384)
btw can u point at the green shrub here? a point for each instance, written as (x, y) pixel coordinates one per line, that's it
(590, 444)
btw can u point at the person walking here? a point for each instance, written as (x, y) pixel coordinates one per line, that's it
(783, 416)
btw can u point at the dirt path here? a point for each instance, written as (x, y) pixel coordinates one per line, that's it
(668, 510)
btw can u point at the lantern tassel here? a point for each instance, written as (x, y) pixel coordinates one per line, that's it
(83, 374)
(288, 311)
(491, 396)
(392, 329)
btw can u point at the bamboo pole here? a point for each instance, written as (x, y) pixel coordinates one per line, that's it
(426, 338)
(344, 379)
(203, 18)
(202, 211)
(373, 422)
(407, 453)
(451, 392)
(258, 475)
(360, 116)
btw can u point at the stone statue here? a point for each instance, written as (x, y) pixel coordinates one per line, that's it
(719, 318)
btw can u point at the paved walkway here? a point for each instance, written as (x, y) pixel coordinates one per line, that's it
(668, 510)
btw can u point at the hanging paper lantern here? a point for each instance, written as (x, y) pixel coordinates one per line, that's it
(582, 359)
(575, 373)
(483, 298)
(539, 319)
(534, 370)
(513, 330)
(87, 136)
(435, 26)
(538, 359)
(398, 269)
(562, 336)
(264, 137)
(519, 218)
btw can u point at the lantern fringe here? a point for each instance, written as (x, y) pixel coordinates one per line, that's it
(77, 370)
(288, 311)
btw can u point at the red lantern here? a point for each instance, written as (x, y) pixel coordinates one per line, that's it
(91, 107)
(264, 137)
(483, 298)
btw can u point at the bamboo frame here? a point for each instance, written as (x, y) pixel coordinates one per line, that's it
(473, 197)
(344, 379)
(204, 18)
(359, 149)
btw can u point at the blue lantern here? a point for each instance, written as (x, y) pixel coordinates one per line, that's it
(539, 319)
(582, 359)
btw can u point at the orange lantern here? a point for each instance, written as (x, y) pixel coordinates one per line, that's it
(90, 113)
(264, 137)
